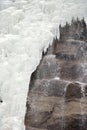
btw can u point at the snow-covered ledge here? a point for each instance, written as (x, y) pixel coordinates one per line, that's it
(26, 29)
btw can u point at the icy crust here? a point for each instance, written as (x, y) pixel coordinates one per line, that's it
(26, 30)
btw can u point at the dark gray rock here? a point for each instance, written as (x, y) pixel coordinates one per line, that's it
(76, 30)
(73, 91)
(71, 71)
(51, 87)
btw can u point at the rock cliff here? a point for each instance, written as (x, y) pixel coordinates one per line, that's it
(57, 98)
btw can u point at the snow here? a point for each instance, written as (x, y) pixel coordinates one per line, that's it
(5, 4)
(27, 27)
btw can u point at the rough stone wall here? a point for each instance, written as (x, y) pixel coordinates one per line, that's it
(57, 98)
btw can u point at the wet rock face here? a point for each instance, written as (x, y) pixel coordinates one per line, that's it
(77, 30)
(48, 68)
(75, 51)
(72, 123)
(85, 90)
(57, 97)
(51, 87)
(73, 91)
(71, 71)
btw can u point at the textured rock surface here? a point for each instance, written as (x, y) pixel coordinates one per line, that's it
(57, 98)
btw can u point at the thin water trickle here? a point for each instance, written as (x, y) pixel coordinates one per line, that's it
(83, 119)
(62, 114)
(63, 108)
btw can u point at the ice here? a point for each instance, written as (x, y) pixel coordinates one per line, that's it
(27, 27)
(57, 78)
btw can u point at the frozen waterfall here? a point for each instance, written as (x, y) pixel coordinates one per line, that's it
(27, 27)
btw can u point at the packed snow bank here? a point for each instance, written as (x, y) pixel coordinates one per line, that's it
(26, 29)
